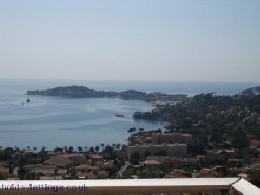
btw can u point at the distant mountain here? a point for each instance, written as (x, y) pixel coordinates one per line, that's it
(85, 92)
(252, 91)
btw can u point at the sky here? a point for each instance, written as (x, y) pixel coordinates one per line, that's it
(174, 40)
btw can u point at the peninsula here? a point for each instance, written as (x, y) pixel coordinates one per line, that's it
(85, 92)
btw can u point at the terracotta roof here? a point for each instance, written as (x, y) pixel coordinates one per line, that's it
(95, 156)
(86, 167)
(152, 162)
(103, 173)
(58, 162)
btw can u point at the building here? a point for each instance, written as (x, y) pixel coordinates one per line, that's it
(152, 164)
(97, 160)
(169, 150)
(171, 138)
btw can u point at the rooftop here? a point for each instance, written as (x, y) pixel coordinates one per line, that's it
(58, 162)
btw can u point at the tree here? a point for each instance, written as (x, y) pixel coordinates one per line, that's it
(71, 149)
(43, 149)
(28, 148)
(135, 158)
(80, 149)
(58, 149)
(16, 149)
(118, 146)
(91, 149)
(147, 153)
(114, 146)
(124, 147)
(160, 153)
(241, 140)
(97, 148)
(109, 149)
(7, 153)
(21, 172)
(132, 130)
(23, 160)
(141, 129)
(42, 153)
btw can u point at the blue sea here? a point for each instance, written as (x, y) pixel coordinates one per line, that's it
(53, 121)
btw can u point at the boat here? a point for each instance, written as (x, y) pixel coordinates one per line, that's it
(28, 100)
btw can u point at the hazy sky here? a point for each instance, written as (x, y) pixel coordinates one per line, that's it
(195, 40)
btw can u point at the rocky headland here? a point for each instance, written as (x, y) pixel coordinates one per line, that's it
(85, 92)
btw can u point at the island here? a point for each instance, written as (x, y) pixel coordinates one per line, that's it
(85, 92)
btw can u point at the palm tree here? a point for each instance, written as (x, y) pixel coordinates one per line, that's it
(124, 147)
(34, 149)
(79, 148)
(114, 145)
(118, 146)
(28, 148)
(141, 129)
(91, 149)
(43, 149)
(132, 130)
(97, 148)
(71, 149)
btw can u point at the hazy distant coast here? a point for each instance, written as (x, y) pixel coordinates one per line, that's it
(85, 92)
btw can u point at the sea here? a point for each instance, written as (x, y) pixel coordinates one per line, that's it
(58, 122)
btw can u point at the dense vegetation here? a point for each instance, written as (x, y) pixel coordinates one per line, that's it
(85, 92)
(225, 131)
(222, 120)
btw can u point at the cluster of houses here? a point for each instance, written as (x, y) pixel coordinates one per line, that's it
(71, 165)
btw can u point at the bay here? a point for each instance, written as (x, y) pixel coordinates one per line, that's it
(51, 121)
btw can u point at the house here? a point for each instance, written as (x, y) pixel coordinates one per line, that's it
(59, 163)
(103, 174)
(97, 160)
(108, 165)
(50, 178)
(207, 173)
(75, 157)
(86, 168)
(4, 170)
(176, 173)
(152, 164)
(47, 170)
